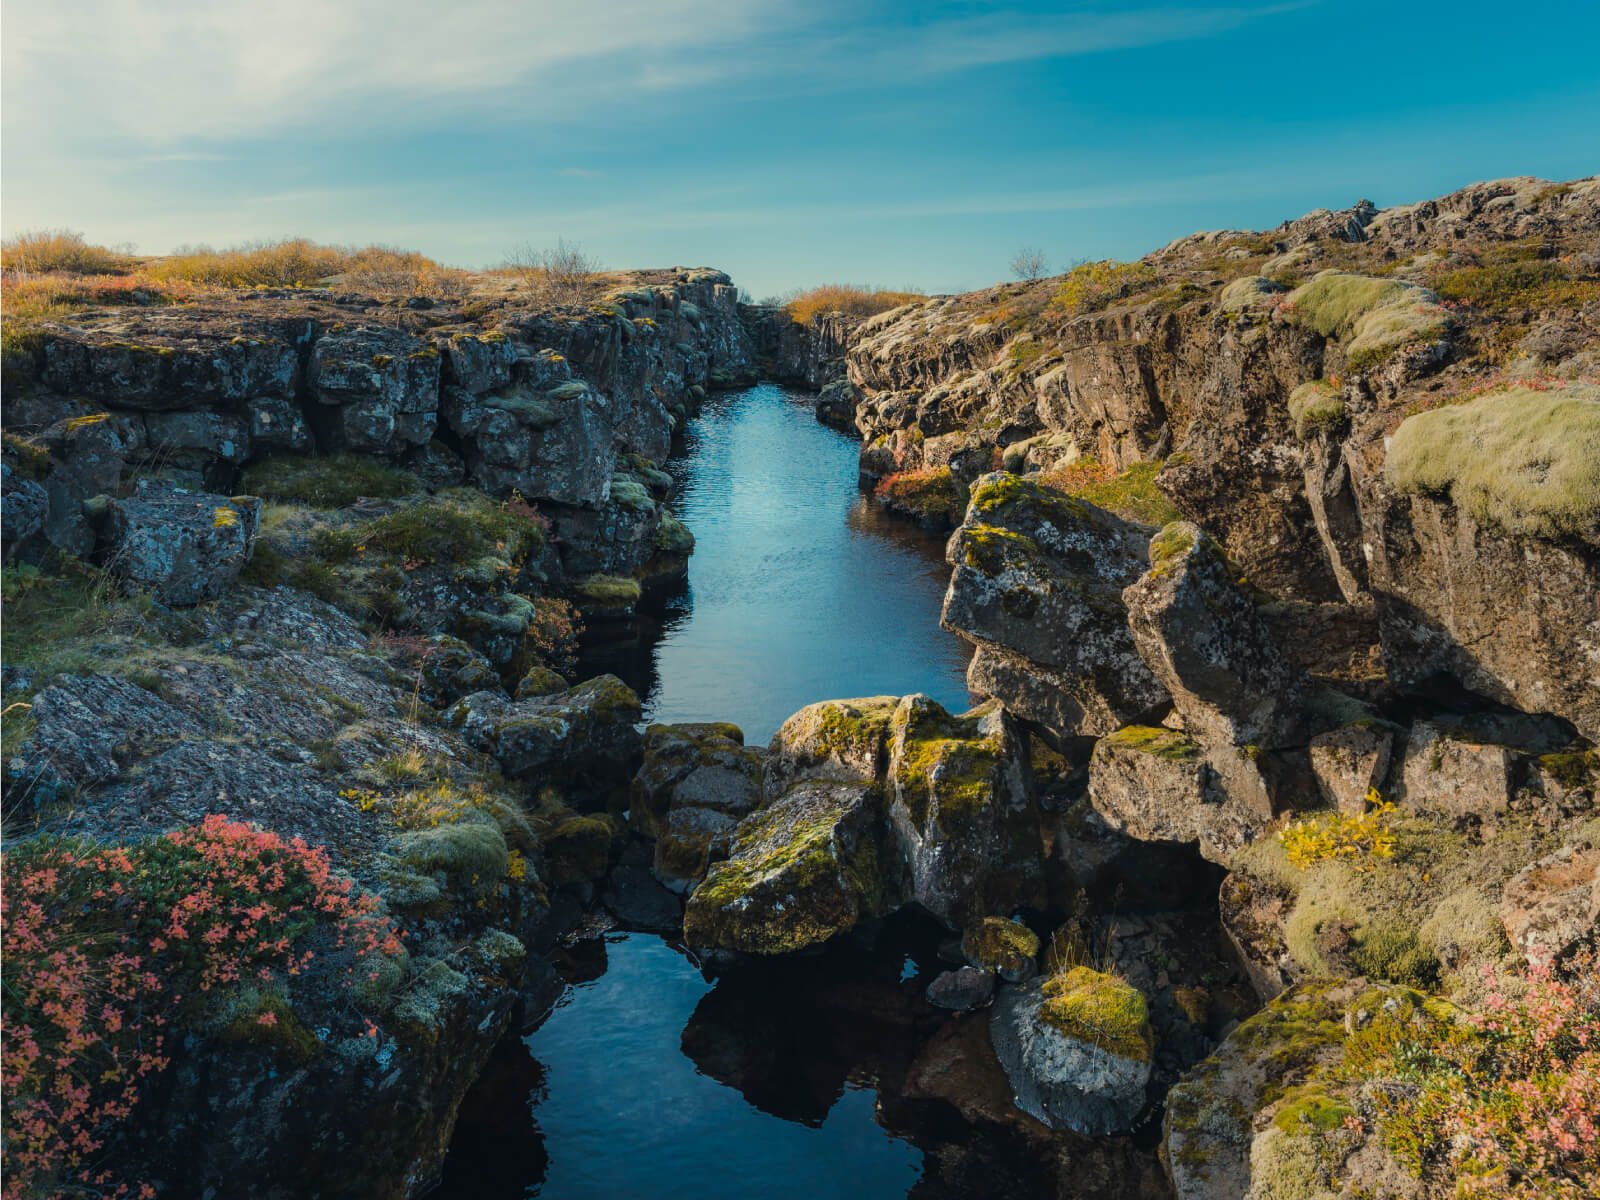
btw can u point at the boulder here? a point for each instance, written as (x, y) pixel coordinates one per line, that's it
(24, 507)
(801, 870)
(696, 782)
(1037, 586)
(961, 812)
(1077, 1048)
(1552, 906)
(1444, 774)
(182, 547)
(962, 990)
(1003, 947)
(1160, 785)
(585, 732)
(834, 740)
(1201, 635)
(1350, 762)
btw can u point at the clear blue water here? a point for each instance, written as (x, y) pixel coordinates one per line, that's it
(800, 589)
(776, 1080)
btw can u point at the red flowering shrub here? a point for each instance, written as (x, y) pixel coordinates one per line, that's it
(105, 946)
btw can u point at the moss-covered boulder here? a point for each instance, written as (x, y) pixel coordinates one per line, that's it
(835, 740)
(1008, 948)
(697, 781)
(961, 811)
(801, 870)
(1037, 587)
(1077, 1048)
(182, 547)
(1199, 632)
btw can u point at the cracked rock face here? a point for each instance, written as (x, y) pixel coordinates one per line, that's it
(1202, 637)
(1037, 587)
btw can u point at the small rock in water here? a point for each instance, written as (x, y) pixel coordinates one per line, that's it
(962, 990)
(639, 902)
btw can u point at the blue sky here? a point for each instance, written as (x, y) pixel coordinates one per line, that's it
(788, 143)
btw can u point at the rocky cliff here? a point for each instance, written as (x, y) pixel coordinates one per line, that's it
(1274, 825)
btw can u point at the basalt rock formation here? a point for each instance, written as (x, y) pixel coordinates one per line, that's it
(1279, 552)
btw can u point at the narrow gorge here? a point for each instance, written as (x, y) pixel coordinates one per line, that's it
(1124, 734)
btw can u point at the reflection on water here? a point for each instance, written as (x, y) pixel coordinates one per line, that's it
(799, 589)
(635, 1091)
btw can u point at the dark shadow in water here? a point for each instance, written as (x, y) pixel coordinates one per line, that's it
(799, 589)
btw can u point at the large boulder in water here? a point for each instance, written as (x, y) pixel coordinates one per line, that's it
(1037, 586)
(1077, 1048)
(182, 547)
(834, 739)
(961, 813)
(801, 870)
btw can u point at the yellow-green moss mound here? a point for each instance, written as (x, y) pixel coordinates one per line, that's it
(1525, 461)
(1377, 316)
(1100, 1009)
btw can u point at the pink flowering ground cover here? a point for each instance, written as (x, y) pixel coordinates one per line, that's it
(110, 949)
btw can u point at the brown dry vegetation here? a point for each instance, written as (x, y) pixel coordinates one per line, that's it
(847, 298)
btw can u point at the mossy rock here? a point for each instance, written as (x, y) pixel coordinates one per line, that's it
(1009, 948)
(577, 849)
(540, 681)
(801, 871)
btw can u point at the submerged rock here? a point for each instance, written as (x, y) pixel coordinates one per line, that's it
(962, 990)
(1077, 1048)
(801, 870)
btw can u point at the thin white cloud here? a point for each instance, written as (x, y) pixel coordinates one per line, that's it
(187, 74)
(580, 173)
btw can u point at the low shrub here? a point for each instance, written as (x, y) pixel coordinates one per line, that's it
(1092, 286)
(1506, 1103)
(929, 494)
(1358, 840)
(1131, 494)
(44, 250)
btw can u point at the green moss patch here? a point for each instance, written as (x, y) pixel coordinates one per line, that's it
(1374, 316)
(1315, 406)
(1154, 740)
(1525, 461)
(326, 481)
